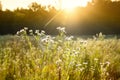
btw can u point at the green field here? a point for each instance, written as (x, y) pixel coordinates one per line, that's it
(43, 57)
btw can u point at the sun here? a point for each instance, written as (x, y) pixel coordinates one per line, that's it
(68, 5)
(71, 4)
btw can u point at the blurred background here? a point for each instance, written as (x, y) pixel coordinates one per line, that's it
(80, 17)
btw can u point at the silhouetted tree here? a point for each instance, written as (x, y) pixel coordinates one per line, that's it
(103, 16)
(34, 6)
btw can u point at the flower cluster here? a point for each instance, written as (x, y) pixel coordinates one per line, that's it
(61, 29)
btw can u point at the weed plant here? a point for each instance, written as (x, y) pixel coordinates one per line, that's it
(38, 56)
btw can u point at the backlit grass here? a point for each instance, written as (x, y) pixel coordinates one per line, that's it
(44, 57)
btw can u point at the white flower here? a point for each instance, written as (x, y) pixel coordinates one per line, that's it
(58, 28)
(22, 30)
(48, 39)
(25, 28)
(38, 34)
(61, 29)
(48, 36)
(30, 30)
(36, 31)
(44, 40)
(18, 33)
(42, 32)
(69, 38)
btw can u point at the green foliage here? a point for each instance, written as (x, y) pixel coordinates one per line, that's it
(43, 57)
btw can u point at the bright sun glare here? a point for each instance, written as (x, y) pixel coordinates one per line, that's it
(71, 4)
(65, 4)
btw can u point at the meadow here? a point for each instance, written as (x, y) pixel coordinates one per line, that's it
(38, 56)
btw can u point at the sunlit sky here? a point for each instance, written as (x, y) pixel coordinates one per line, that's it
(65, 4)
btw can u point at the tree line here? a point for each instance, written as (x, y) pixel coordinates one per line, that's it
(98, 16)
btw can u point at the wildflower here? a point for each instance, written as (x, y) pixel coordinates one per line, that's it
(44, 40)
(69, 38)
(42, 32)
(22, 30)
(25, 28)
(18, 32)
(61, 29)
(74, 53)
(58, 28)
(48, 36)
(48, 39)
(37, 31)
(30, 30)
(38, 34)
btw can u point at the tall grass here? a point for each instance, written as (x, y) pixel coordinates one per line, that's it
(44, 57)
